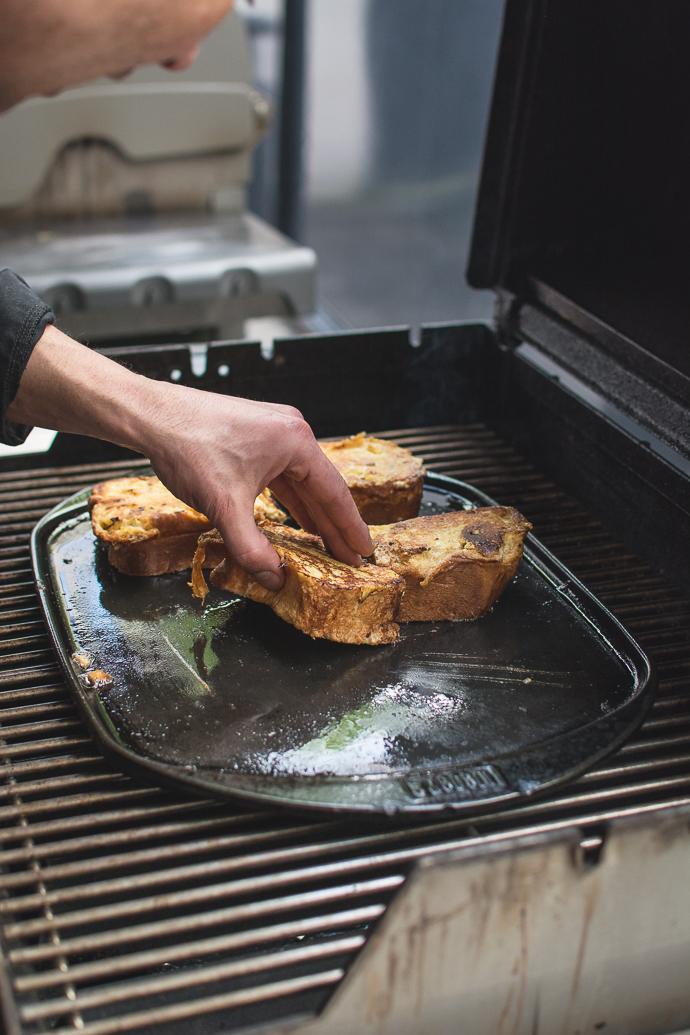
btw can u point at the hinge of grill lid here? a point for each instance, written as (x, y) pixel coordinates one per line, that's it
(631, 384)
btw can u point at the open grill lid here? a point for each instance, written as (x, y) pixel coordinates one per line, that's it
(583, 214)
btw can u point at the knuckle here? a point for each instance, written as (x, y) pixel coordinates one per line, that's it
(297, 427)
(294, 413)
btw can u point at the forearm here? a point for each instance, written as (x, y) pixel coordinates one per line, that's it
(68, 387)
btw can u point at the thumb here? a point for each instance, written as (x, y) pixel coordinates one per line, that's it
(249, 547)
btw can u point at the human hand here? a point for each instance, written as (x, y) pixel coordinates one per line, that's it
(217, 453)
(47, 46)
(214, 452)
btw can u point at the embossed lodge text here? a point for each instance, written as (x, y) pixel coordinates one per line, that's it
(475, 782)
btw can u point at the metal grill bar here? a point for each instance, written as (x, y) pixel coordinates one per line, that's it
(92, 842)
(123, 818)
(199, 1007)
(138, 961)
(206, 871)
(75, 801)
(132, 990)
(141, 858)
(198, 897)
(105, 883)
(233, 915)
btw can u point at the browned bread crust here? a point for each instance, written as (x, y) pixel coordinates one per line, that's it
(209, 553)
(454, 565)
(131, 510)
(385, 480)
(322, 597)
(149, 531)
(159, 556)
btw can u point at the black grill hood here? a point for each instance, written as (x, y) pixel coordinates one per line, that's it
(583, 213)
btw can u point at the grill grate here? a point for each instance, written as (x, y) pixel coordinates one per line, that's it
(126, 908)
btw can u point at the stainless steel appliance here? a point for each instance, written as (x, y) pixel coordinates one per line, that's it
(123, 204)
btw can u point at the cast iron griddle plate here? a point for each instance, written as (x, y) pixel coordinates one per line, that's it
(231, 700)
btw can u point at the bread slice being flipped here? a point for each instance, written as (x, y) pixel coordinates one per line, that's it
(385, 480)
(322, 597)
(454, 565)
(149, 531)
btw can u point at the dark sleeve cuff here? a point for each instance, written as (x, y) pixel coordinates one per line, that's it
(23, 319)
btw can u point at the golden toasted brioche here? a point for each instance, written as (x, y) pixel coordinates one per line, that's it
(148, 530)
(454, 565)
(385, 480)
(266, 509)
(322, 597)
(130, 510)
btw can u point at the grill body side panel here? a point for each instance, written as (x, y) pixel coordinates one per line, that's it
(534, 935)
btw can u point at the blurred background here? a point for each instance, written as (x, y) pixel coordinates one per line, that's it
(395, 102)
(315, 169)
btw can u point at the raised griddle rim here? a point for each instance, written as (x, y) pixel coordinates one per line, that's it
(594, 740)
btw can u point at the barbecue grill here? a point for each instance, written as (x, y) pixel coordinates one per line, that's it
(130, 908)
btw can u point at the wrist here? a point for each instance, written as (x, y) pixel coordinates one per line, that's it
(130, 412)
(155, 417)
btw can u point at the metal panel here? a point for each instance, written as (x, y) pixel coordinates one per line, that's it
(143, 119)
(158, 261)
(630, 392)
(547, 934)
(639, 493)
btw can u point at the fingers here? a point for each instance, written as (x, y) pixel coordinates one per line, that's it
(315, 493)
(301, 510)
(333, 536)
(182, 61)
(248, 547)
(285, 493)
(312, 518)
(326, 496)
(206, 442)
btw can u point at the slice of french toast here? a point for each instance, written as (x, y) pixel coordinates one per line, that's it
(322, 597)
(149, 531)
(385, 480)
(455, 565)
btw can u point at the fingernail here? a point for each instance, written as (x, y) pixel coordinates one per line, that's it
(268, 579)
